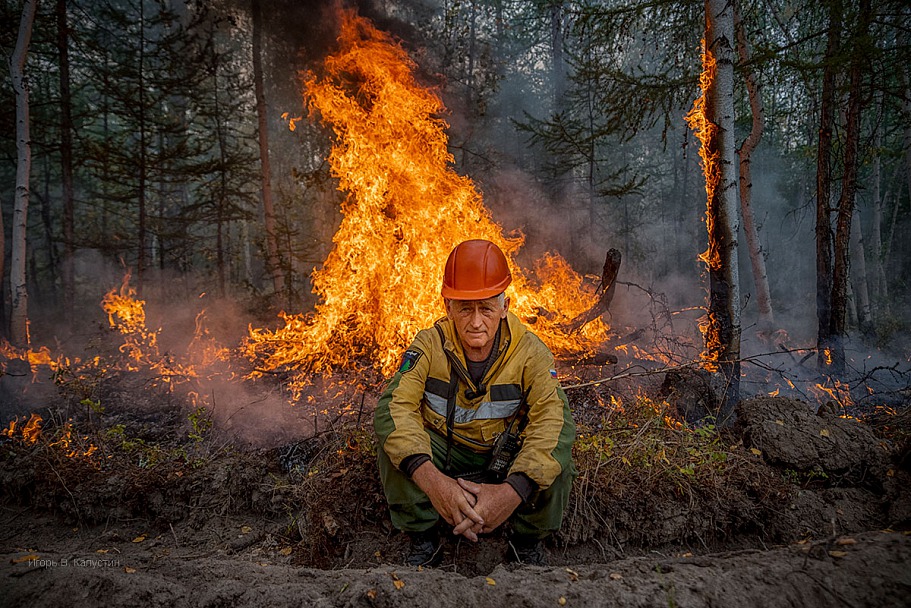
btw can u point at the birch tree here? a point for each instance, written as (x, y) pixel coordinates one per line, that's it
(751, 232)
(18, 287)
(716, 132)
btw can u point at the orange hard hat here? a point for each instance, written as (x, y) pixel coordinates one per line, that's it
(475, 270)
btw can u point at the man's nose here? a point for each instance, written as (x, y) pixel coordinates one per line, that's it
(476, 318)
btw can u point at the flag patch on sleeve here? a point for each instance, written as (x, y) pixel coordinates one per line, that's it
(409, 359)
(553, 374)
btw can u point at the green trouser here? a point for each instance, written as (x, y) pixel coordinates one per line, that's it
(411, 510)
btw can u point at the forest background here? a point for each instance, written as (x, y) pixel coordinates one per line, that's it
(160, 143)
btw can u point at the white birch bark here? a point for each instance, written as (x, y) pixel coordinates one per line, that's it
(751, 232)
(724, 288)
(18, 287)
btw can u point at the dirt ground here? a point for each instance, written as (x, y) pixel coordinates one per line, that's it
(60, 567)
(793, 507)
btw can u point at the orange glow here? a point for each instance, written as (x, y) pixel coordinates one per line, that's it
(705, 131)
(30, 432)
(204, 351)
(711, 333)
(126, 314)
(67, 444)
(42, 356)
(406, 209)
(840, 393)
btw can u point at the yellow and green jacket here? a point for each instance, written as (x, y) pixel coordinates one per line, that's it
(416, 396)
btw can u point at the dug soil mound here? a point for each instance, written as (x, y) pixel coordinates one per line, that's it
(157, 508)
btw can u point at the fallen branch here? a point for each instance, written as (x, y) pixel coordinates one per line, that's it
(608, 278)
(675, 368)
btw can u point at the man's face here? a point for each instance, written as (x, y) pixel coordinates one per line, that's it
(476, 321)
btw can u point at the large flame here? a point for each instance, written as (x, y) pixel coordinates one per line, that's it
(406, 209)
(705, 131)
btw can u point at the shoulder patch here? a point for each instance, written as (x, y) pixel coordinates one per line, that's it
(410, 357)
(553, 374)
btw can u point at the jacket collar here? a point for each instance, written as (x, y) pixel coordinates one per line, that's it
(512, 329)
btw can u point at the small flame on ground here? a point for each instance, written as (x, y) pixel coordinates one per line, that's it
(41, 356)
(840, 392)
(31, 432)
(126, 314)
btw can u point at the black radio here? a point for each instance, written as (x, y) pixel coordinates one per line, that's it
(505, 449)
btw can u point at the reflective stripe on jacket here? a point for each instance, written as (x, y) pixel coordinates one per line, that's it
(416, 399)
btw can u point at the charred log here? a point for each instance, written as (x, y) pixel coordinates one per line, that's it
(598, 358)
(608, 283)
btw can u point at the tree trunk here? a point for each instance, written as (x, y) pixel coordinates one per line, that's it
(278, 282)
(757, 257)
(18, 287)
(558, 67)
(840, 268)
(66, 161)
(905, 75)
(712, 118)
(47, 223)
(141, 169)
(859, 275)
(823, 193)
(222, 186)
(876, 228)
(724, 293)
(893, 193)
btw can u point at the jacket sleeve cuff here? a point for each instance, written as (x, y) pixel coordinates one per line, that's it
(411, 463)
(522, 484)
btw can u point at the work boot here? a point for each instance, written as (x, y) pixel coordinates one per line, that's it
(527, 551)
(425, 549)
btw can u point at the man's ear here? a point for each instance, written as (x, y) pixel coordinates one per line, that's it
(447, 303)
(506, 302)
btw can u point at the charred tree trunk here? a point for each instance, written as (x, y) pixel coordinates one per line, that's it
(823, 193)
(66, 161)
(608, 285)
(278, 281)
(757, 256)
(18, 285)
(840, 268)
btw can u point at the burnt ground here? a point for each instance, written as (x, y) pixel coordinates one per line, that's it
(790, 507)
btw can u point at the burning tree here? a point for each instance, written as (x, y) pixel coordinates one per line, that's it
(406, 209)
(712, 119)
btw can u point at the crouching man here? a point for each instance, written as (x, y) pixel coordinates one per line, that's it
(474, 427)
